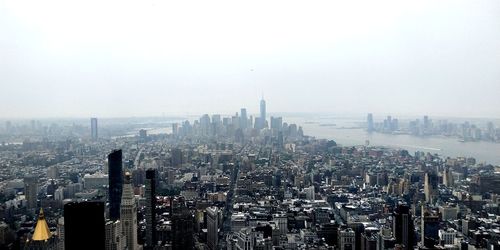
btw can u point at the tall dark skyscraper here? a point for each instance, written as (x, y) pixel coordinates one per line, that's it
(429, 224)
(182, 228)
(369, 123)
(115, 183)
(150, 208)
(403, 227)
(182, 225)
(93, 128)
(84, 225)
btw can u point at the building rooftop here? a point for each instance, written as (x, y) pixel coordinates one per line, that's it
(42, 232)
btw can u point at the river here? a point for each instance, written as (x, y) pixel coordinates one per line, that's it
(348, 132)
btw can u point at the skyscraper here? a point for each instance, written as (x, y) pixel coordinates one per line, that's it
(369, 122)
(143, 135)
(182, 225)
(93, 128)
(346, 239)
(115, 183)
(403, 227)
(447, 177)
(84, 225)
(262, 117)
(429, 228)
(60, 233)
(128, 214)
(175, 129)
(212, 227)
(176, 157)
(276, 123)
(31, 191)
(243, 118)
(426, 123)
(150, 207)
(53, 172)
(430, 186)
(114, 236)
(205, 124)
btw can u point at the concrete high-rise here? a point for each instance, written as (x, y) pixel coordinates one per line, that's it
(60, 233)
(205, 124)
(276, 123)
(243, 118)
(430, 186)
(175, 129)
(53, 172)
(84, 225)
(128, 214)
(150, 208)
(93, 128)
(115, 177)
(212, 227)
(447, 177)
(31, 191)
(346, 239)
(114, 236)
(176, 157)
(426, 122)
(143, 135)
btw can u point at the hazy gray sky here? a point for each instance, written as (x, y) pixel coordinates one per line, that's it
(135, 58)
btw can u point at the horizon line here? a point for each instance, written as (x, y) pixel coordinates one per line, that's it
(171, 115)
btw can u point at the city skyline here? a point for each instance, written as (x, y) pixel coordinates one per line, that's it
(244, 182)
(230, 125)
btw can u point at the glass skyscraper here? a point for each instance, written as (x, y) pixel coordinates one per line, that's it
(84, 225)
(115, 183)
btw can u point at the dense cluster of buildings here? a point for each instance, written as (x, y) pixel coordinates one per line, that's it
(240, 182)
(466, 131)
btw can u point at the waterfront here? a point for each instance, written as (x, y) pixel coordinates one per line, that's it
(348, 132)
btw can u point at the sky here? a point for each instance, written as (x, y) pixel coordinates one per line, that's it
(153, 58)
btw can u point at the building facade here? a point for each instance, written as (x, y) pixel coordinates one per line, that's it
(115, 175)
(128, 214)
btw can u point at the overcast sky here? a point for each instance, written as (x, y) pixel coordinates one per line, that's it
(142, 58)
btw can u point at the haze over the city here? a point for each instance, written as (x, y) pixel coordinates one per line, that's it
(108, 59)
